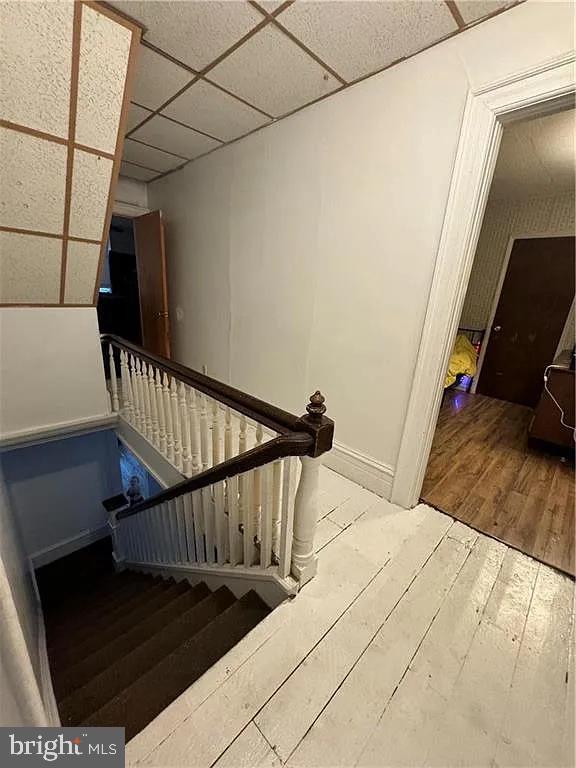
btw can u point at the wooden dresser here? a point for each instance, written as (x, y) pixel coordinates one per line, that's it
(546, 425)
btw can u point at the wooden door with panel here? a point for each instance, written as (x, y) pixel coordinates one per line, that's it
(152, 282)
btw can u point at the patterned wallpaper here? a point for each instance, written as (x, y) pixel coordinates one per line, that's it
(65, 67)
(504, 219)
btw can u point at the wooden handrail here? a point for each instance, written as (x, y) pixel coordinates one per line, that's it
(313, 423)
(295, 444)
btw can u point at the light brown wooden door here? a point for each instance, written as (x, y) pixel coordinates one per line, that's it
(536, 296)
(152, 282)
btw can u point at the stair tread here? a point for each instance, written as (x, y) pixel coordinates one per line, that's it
(92, 665)
(95, 633)
(123, 673)
(101, 605)
(138, 704)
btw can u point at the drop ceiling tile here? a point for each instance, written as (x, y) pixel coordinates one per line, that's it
(136, 172)
(104, 52)
(29, 269)
(173, 137)
(136, 115)
(35, 60)
(212, 26)
(150, 157)
(91, 175)
(33, 182)
(273, 73)
(209, 109)
(157, 78)
(357, 38)
(81, 272)
(472, 10)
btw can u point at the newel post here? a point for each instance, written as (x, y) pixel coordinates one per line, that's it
(304, 561)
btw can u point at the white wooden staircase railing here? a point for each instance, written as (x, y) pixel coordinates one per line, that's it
(244, 504)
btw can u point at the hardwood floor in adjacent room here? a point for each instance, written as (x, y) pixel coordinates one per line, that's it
(483, 472)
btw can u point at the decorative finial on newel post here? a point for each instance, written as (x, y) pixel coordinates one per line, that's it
(321, 428)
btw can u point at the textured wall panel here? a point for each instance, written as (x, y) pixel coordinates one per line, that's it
(89, 198)
(33, 182)
(104, 51)
(35, 62)
(503, 220)
(81, 269)
(29, 269)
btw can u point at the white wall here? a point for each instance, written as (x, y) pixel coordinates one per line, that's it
(505, 219)
(51, 370)
(20, 697)
(57, 489)
(131, 198)
(302, 256)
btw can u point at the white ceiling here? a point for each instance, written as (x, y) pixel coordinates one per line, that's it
(537, 158)
(210, 72)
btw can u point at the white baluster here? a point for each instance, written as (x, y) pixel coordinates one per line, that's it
(176, 426)
(168, 415)
(266, 517)
(304, 561)
(140, 386)
(287, 519)
(208, 512)
(228, 435)
(242, 435)
(247, 501)
(173, 531)
(198, 526)
(113, 379)
(233, 520)
(181, 528)
(221, 527)
(194, 432)
(242, 478)
(185, 423)
(215, 434)
(257, 489)
(204, 433)
(189, 525)
(126, 387)
(147, 401)
(118, 554)
(153, 407)
(161, 413)
(276, 493)
(135, 392)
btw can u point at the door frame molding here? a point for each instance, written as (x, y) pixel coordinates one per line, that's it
(498, 293)
(528, 93)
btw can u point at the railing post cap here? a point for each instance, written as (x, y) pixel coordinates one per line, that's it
(316, 408)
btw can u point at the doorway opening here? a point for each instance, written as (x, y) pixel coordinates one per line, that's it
(502, 457)
(133, 294)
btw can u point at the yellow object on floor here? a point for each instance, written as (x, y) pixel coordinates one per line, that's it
(462, 360)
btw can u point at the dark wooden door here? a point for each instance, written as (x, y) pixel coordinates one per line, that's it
(536, 296)
(152, 282)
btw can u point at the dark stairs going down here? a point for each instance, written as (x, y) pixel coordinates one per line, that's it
(122, 646)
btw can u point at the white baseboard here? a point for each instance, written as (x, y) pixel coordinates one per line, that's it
(67, 546)
(362, 469)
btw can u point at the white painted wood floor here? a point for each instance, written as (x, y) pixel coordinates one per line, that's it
(419, 643)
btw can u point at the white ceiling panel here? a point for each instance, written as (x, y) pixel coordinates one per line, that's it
(149, 157)
(357, 38)
(136, 115)
(472, 10)
(29, 269)
(157, 79)
(212, 26)
(213, 111)
(173, 137)
(273, 73)
(136, 172)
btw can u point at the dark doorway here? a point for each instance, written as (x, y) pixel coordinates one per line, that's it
(119, 297)
(536, 296)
